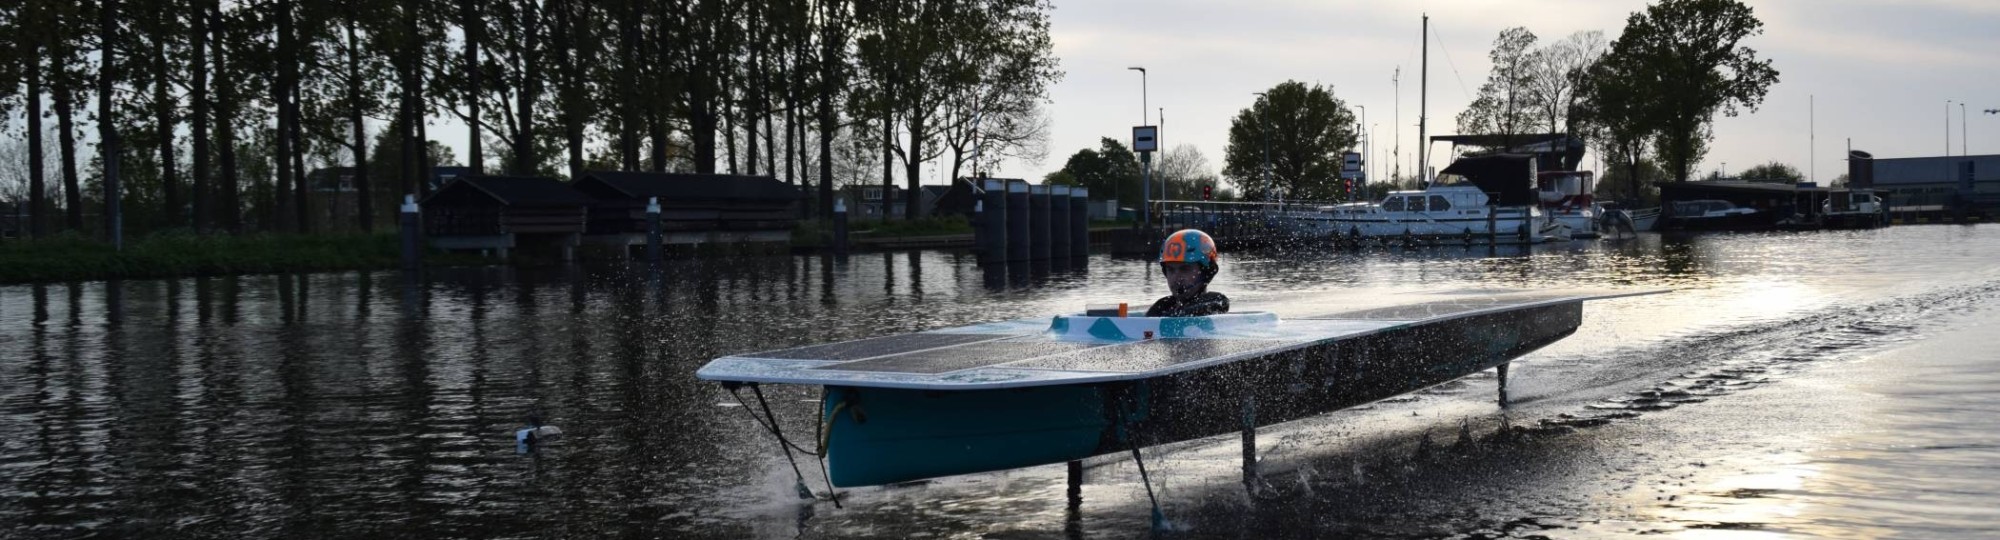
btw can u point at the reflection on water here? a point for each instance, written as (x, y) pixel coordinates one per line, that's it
(383, 403)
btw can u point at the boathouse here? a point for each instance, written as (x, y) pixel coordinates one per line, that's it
(505, 213)
(1932, 186)
(694, 208)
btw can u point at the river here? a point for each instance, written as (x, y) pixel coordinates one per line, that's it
(1838, 384)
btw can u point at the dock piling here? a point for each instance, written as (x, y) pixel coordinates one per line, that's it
(1038, 222)
(839, 227)
(653, 233)
(1079, 225)
(1059, 236)
(993, 204)
(1017, 222)
(410, 224)
(1502, 370)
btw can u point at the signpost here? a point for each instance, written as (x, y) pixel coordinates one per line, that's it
(1146, 140)
(1352, 169)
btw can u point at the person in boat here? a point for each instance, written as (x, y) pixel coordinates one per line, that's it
(1188, 260)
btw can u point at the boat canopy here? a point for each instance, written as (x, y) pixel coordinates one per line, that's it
(1509, 177)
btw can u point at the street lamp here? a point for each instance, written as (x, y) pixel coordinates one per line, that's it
(1264, 125)
(1145, 159)
(1142, 93)
(1365, 158)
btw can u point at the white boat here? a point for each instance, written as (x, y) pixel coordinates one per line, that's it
(1457, 210)
(1567, 199)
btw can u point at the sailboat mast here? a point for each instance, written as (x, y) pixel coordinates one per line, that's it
(1423, 104)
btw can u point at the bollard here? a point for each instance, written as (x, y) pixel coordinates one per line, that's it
(1038, 222)
(995, 203)
(839, 227)
(1017, 221)
(653, 233)
(981, 233)
(1059, 237)
(1079, 224)
(410, 223)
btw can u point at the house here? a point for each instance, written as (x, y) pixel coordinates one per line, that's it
(336, 197)
(694, 208)
(957, 198)
(867, 201)
(504, 213)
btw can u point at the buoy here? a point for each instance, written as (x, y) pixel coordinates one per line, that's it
(526, 438)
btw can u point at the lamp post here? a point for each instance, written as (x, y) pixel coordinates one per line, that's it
(1264, 125)
(1365, 158)
(1947, 128)
(1142, 93)
(1145, 160)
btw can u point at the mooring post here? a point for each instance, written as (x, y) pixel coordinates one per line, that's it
(410, 222)
(839, 227)
(1502, 369)
(1250, 444)
(653, 230)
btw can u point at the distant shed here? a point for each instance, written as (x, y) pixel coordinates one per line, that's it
(694, 208)
(505, 212)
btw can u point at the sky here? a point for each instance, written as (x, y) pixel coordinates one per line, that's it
(1878, 72)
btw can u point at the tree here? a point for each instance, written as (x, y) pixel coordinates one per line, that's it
(1558, 70)
(1688, 55)
(1773, 172)
(1616, 110)
(1504, 106)
(30, 28)
(1184, 170)
(1110, 169)
(1306, 130)
(1636, 184)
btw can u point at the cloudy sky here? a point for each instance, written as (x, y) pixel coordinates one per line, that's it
(1879, 72)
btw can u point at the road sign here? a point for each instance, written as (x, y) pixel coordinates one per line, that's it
(1145, 138)
(1350, 165)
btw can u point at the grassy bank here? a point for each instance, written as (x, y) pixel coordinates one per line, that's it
(818, 234)
(172, 254)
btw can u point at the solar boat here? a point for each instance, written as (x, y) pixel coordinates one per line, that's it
(1058, 389)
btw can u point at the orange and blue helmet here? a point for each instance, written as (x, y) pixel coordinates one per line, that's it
(1190, 246)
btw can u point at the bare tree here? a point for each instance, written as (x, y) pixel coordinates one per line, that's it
(1558, 71)
(1184, 169)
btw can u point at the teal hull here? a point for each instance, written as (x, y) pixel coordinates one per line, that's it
(888, 435)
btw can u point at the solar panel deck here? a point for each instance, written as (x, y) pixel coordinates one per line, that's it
(1024, 353)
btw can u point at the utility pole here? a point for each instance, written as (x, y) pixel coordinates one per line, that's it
(1423, 104)
(1264, 121)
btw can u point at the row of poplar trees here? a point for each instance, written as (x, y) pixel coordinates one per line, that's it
(208, 109)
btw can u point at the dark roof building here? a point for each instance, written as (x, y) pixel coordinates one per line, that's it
(692, 206)
(492, 212)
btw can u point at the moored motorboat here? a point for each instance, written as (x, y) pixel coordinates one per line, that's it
(1457, 210)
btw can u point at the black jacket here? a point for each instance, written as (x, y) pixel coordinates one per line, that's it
(1208, 303)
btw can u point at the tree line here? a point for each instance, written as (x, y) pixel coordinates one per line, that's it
(208, 113)
(1657, 88)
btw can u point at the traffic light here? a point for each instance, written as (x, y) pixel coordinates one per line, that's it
(1207, 192)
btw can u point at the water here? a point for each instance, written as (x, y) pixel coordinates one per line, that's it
(1823, 384)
